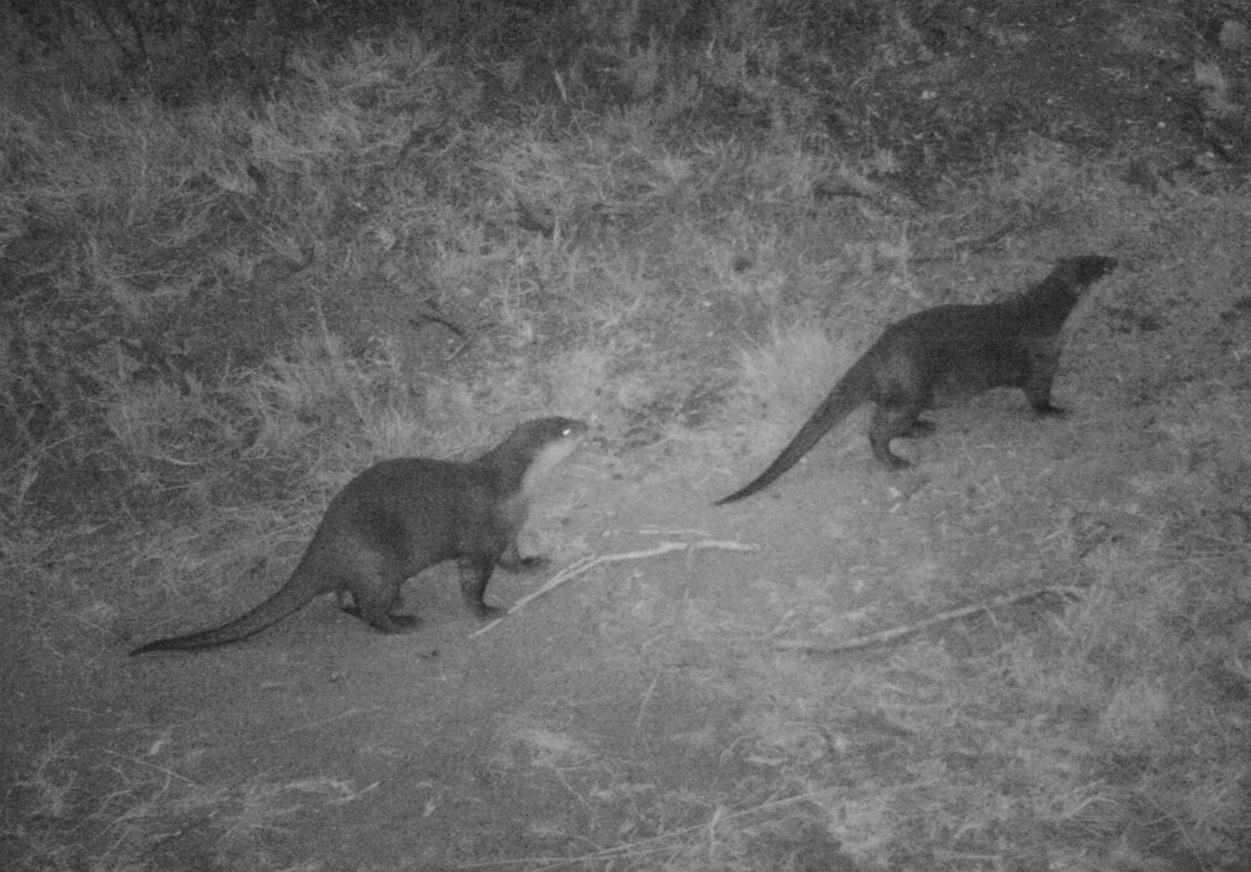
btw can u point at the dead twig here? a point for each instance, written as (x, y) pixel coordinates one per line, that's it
(586, 564)
(894, 633)
(664, 841)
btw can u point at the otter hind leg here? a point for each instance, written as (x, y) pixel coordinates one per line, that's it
(890, 422)
(379, 612)
(373, 595)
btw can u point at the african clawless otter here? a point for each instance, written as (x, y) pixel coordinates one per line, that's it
(946, 354)
(402, 516)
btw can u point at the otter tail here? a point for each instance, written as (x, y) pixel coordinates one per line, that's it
(853, 389)
(298, 592)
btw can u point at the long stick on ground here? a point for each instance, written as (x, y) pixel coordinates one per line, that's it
(899, 632)
(586, 564)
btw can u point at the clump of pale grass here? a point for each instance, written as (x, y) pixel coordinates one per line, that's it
(783, 380)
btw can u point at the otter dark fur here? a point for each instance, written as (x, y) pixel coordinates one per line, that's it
(405, 515)
(946, 354)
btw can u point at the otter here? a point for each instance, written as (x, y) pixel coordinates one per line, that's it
(405, 515)
(947, 354)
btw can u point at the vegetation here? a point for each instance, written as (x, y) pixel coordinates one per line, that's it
(248, 247)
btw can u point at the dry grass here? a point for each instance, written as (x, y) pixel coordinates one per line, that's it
(127, 810)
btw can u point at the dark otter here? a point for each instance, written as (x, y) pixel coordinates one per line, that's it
(946, 354)
(401, 516)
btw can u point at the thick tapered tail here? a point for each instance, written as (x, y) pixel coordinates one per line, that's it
(849, 393)
(290, 598)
